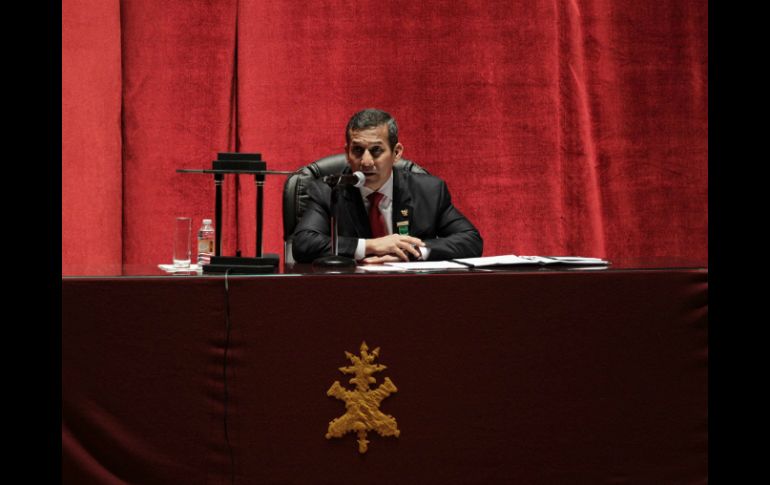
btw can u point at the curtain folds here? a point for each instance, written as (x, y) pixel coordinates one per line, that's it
(91, 137)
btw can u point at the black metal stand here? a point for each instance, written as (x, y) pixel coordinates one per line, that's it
(239, 163)
(335, 260)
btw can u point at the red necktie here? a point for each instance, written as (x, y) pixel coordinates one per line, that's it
(376, 221)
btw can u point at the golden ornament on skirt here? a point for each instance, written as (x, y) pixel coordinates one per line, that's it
(362, 403)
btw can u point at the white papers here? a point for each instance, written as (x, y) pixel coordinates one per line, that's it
(503, 260)
(496, 260)
(170, 268)
(422, 265)
(577, 260)
(513, 260)
(398, 267)
(379, 268)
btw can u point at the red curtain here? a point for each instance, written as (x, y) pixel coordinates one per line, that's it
(561, 127)
(91, 137)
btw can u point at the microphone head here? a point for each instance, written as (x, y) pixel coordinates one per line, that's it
(361, 179)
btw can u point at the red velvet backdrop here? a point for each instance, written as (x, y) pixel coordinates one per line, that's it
(561, 127)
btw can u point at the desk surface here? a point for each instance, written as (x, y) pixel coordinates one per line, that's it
(152, 271)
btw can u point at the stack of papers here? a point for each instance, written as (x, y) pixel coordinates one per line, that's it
(170, 268)
(419, 265)
(413, 266)
(513, 260)
(466, 263)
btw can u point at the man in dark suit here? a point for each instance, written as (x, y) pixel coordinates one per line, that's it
(396, 216)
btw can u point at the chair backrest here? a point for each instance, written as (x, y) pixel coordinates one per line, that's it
(295, 191)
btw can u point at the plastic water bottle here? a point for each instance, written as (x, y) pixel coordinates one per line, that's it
(205, 242)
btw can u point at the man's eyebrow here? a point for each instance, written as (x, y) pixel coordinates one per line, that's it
(361, 143)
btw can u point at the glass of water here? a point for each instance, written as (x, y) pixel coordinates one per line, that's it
(182, 237)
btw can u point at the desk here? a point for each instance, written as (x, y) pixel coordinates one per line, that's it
(526, 377)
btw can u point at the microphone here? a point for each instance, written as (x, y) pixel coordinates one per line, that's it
(356, 179)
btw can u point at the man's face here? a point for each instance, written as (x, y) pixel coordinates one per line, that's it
(370, 153)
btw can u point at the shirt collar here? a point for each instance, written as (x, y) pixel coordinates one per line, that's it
(386, 189)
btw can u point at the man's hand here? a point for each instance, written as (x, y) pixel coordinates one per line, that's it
(395, 245)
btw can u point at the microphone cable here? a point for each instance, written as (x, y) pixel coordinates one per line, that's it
(224, 372)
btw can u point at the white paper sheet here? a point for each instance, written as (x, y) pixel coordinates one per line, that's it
(422, 265)
(513, 260)
(170, 268)
(379, 268)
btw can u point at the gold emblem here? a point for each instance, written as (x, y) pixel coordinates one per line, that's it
(363, 404)
(405, 212)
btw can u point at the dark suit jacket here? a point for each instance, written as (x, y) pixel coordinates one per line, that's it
(422, 200)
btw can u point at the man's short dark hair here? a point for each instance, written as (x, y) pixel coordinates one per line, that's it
(372, 118)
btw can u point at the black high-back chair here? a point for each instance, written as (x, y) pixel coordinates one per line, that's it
(295, 191)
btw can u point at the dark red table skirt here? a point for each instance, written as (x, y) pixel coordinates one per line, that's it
(562, 377)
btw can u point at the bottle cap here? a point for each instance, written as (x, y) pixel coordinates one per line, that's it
(206, 221)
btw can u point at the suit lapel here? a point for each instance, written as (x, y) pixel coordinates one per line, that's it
(403, 212)
(352, 212)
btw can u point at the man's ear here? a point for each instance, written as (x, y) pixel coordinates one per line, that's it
(397, 151)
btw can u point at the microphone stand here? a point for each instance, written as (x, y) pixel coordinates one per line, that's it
(335, 260)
